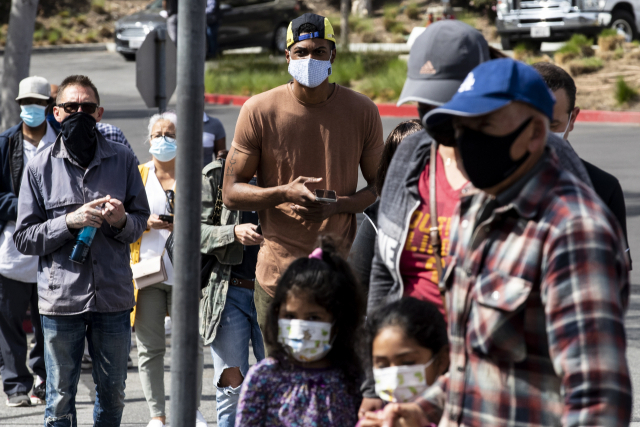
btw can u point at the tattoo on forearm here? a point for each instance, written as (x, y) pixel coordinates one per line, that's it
(231, 164)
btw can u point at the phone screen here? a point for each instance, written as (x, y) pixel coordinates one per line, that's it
(326, 195)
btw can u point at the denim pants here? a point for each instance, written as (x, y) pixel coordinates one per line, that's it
(230, 348)
(109, 337)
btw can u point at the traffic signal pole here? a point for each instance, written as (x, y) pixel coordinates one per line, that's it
(186, 292)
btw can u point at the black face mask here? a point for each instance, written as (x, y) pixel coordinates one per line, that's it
(79, 137)
(486, 158)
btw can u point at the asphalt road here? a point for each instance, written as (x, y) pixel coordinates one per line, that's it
(615, 148)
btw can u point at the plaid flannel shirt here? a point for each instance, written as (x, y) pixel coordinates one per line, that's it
(114, 133)
(537, 291)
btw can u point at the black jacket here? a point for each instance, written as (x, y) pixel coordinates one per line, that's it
(608, 188)
(11, 168)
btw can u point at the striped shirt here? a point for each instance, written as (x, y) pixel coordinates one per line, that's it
(537, 288)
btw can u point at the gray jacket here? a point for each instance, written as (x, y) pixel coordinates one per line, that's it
(55, 185)
(400, 198)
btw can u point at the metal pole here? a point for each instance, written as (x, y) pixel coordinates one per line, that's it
(186, 292)
(161, 71)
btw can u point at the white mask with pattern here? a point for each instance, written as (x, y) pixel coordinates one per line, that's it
(401, 384)
(306, 341)
(309, 72)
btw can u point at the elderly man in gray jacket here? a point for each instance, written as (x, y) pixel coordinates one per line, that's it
(83, 180)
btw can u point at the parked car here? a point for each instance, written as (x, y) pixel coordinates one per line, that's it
(244, 23)
(557, 20)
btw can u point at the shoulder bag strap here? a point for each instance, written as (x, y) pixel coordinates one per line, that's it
(434, 234)
(217, 209)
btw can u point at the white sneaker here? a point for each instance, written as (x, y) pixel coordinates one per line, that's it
(167, 325)
(155, 423)
(200, 421)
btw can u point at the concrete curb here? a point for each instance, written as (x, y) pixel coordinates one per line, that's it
(391, 110)
(86, 47)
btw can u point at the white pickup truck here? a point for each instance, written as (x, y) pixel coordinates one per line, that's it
(536, 21)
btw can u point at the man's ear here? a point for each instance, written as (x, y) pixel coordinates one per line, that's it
(574, 116)
(287, 55)
(539, 132)
(333, 55)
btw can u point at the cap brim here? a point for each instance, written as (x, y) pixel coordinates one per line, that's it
(32, 95)
(432, 92)
(464, 107)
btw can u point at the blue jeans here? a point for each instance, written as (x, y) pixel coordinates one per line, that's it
(230, 348)
(109, 337)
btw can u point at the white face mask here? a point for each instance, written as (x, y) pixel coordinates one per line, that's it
(305, 341)
(401, 384)
(563, 133)
(309, 72)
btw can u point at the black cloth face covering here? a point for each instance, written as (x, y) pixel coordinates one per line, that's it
(79, 137)
(486, 158)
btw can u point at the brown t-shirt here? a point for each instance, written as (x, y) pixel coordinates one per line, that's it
(293, 139)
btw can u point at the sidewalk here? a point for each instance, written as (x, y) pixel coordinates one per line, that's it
(136, 411)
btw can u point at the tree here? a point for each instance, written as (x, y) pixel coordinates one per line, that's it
(344, 24)
(17, 57)
(362, 8)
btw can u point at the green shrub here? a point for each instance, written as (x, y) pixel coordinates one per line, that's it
(608, 32)
(580, 40)
(53, 36)
(585, 66)
(81, 20)
(99, 6)
(389, 17)
(412, 11)
(64, 13)
(359, 24)
(91, 37)
(468, 17)
(624, 93)
(38, 35)
(385, 85)
(636, 43)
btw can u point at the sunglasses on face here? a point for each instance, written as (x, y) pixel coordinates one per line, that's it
(72, 107)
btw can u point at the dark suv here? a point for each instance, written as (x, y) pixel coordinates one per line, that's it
(244, 23)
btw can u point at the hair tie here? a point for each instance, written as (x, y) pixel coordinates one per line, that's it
(316, 254)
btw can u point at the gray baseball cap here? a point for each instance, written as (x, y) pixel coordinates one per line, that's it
(440, 59)
(34, 87)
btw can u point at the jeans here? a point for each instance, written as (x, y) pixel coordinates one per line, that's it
(109, 337)
(230, 348)
(154, 302)
(15, 299)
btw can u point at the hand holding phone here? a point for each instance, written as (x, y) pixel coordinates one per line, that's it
(166, 218)
(325, 196)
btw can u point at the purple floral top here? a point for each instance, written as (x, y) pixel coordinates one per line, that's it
(276, 396)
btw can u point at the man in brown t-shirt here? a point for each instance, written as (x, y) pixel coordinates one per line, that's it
(305, 135)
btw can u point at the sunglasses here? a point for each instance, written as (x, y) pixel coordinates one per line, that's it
(171, 197)
(72, 107)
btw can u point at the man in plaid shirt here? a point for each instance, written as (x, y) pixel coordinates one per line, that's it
(113, 133)
(537, 286)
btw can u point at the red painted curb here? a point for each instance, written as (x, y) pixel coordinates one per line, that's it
(391, 110)
(609, 116)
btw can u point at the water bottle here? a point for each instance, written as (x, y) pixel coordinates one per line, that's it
(83, 242)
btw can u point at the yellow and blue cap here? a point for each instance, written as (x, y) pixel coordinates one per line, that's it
(325, 29)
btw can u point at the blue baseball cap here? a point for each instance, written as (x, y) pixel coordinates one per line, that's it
(492, 85)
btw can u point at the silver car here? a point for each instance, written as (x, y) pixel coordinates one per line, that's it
(557, 20)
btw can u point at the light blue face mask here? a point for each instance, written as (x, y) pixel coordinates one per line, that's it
(32, 115)
(163, 148)
(309, 72)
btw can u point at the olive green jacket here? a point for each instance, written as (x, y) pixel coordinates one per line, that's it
(218, 240)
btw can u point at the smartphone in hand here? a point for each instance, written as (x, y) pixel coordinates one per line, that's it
(166, 218)
(326, 196)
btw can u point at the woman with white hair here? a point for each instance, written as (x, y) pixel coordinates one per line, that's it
(153, 300)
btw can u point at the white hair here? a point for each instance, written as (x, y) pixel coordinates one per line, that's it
(167, 115)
